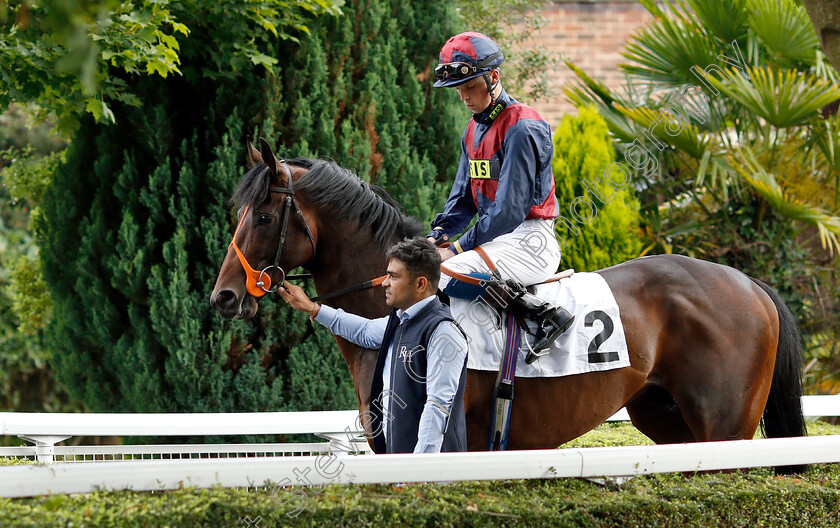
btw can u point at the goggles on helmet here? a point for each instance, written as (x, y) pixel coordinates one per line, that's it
(454, 71)
(460, 70)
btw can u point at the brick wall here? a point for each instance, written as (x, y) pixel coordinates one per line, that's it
(590, 34)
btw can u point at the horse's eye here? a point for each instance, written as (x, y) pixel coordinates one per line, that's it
(263, 219)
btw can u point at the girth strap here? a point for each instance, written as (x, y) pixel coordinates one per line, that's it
(503, 392)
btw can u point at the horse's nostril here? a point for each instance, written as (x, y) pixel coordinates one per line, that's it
(225, 299)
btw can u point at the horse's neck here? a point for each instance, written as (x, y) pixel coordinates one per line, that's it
(345, 261)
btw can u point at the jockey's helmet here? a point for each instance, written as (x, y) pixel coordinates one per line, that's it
(467, 56)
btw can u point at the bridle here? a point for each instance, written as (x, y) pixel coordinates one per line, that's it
(258, 283)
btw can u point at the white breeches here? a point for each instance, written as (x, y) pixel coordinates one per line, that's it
(529, 255)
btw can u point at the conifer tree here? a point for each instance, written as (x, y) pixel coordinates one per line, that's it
(136, 224)
(599, 224)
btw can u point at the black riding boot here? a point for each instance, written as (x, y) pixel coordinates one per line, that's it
(551, 320)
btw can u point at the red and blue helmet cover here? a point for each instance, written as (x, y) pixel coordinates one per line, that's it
(472, 48)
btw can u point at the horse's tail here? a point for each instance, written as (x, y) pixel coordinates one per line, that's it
(783, 413)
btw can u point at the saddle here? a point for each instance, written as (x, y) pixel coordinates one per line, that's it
(520, 304)
(509, 296)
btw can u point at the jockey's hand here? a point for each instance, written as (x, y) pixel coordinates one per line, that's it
(438, 241)
(297, 299)
(445, 254)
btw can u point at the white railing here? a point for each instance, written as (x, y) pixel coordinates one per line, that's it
(173, 466)
(45, 430)
(812, 406)
(594, 462)
(340, 428)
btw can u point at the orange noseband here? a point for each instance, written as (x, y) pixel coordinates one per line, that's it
(258, 283)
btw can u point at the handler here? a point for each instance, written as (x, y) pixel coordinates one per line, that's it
(505, 177)
(423, 371)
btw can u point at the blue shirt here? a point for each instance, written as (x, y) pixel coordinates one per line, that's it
(440, 389)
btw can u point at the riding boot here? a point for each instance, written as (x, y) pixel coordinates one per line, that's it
(551, 320)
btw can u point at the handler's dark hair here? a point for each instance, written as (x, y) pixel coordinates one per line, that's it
(420, 257)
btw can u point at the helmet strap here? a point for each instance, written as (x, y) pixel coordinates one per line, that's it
(496, 108)
(491, 87)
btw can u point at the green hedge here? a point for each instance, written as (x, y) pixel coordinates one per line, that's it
(136, 224)
(599, 224)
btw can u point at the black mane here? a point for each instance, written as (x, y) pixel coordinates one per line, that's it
(336, 191)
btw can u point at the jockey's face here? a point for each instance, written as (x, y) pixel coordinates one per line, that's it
(402, 289)
(474, 92)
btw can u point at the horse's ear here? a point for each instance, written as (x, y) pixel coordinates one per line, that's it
(268, 156)
(254, 154)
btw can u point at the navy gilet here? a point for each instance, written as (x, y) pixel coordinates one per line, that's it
(408, 372)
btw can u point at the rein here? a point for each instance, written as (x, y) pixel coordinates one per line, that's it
(372, 283)
(258, 283)
(495, 272)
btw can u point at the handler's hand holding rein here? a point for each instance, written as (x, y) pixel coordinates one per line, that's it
(297, 299)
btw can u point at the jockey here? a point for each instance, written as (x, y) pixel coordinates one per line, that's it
(504, 177)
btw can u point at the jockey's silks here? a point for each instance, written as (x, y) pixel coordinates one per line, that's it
(504, 175)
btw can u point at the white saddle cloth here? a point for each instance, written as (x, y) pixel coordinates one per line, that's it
(594, 342)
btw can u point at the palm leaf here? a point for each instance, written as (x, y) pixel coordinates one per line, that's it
(785, 29)
(825, 70)
(592, 92)
(726, 19)
(716, 172)
(826, 135)
(654, 9)
(764, 183)
(596, 87)
(686, 137)
(713, 168)
(666, 49)
(784, 98)
(617, 124)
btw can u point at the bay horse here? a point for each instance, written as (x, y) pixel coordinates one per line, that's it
(713, 352)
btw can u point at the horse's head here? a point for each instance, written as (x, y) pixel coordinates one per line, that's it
(272, 235)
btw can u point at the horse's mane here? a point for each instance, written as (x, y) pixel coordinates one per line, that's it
(336, 191)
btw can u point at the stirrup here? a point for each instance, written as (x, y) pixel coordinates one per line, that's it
(543, 346)
(535, 355)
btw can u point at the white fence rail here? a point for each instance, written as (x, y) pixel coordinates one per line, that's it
(340, 428)
(174, 424)
(812, 406)
(45, 430)
(24, 481)
(173, 466)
